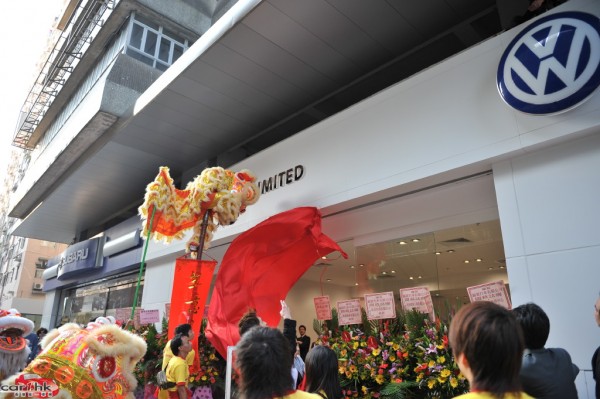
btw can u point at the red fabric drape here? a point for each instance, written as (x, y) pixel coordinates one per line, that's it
(260, 267)
(190, 289)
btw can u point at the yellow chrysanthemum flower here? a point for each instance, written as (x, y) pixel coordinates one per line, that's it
(445, 373)
(453, 382)
(363, 345)
(376, 352)
(440, 346)
(353, 368)
(342, 370)
(420, 377)
(442, 359)
(431, 364)
(380, 379)
(348, 374)
(355, 345)
(392, 358)
(441, 380)
(395, 346)
(364, 389)
(431, 383)
(344, 352)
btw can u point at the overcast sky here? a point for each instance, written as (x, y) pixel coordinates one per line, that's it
(24, 30)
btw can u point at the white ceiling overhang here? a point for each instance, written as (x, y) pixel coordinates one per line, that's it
(267, 70)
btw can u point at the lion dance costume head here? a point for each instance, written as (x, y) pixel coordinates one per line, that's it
(168, 212)
(13, 345)
(83, 363)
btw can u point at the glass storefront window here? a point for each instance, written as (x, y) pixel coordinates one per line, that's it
(82, 304)
(445, 261)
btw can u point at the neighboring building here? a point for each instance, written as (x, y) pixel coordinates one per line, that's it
(427, 170)
(22, 260)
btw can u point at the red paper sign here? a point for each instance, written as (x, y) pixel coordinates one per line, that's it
(492, 292)
(149, 316)
(323, 308)
(349, 312)
(380, 306)
(167, 310)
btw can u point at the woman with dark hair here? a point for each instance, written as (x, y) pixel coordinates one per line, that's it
(322, 373)
(487, 343)
(264, 363)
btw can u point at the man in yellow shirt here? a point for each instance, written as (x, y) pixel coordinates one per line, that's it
(185, 332)
(177, 370)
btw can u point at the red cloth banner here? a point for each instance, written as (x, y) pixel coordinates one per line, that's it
(190, 290)
(260, 267)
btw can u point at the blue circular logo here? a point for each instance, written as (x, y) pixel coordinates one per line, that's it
(552, 65)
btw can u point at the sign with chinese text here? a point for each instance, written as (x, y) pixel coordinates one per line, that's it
(349, 312)
(419, 299)
(380, 306)
(323, 307)
(492, 292)
(149, 316)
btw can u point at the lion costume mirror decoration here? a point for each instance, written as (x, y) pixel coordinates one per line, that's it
(171, 211)
(83, 363)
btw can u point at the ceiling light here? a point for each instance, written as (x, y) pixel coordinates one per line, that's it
(361, 265)
(415, 240)
(328, 279)
(420, 277)
(355, 283)
(478, 260)
(502, 267)
(438, 253)
(351, 266)
(393, 271)
(402, 242)
(450, 251)
(490, 268)
(323, 257)
(410, 278)
(466, 260)
(383, 272)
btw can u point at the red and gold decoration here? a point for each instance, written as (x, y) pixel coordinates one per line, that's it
(191, 284)
(222, 192)
(85, 363)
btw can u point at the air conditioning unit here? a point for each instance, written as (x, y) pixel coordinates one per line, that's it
(37, 286)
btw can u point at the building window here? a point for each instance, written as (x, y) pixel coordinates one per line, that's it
(152, 44)
(42, 263)
(39, 273)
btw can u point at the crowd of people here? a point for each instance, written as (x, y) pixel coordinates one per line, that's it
(500, 352)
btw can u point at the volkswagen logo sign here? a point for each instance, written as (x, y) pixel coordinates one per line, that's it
(552, 65)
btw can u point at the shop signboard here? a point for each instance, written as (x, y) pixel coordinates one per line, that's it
(380, 306)
(79, 258)
(492, 292)
(349, 312)
(323, 307)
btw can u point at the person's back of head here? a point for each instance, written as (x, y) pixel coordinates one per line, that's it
(262, 357)
(321, 367)
(486, 338)
(249, 319)
(176, 343)
(534, 323)
(183, 329)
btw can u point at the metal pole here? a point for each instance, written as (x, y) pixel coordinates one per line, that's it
(143, 262)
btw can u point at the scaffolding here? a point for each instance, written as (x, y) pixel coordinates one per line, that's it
(87, 18)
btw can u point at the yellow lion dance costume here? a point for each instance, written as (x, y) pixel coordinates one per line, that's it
(81, 363)
(221, 192)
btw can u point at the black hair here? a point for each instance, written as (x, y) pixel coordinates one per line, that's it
(302, 326)
(490, 339)
(534, 323)
(41, 330)
(183, 329)
(176, 343)
(248, 320)
(322, 372)
(264, 361)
